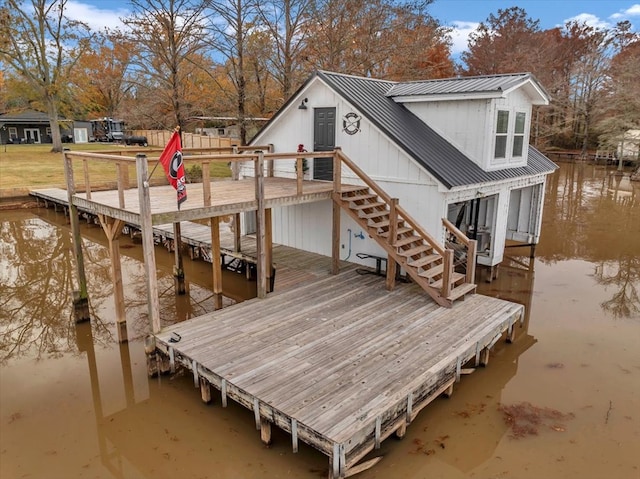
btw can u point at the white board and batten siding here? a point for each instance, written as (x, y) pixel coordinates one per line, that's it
(308, 226)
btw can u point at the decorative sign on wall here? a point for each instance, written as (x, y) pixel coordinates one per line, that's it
(351, 123)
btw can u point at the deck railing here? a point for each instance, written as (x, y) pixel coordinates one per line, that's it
(464, 247)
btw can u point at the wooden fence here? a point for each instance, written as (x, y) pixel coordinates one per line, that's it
(189, 140)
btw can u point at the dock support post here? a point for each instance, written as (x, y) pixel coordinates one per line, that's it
(260, 226)
(80, 295)
(393, 234)
(335, 229)
(112, 229)
(484, 356)
(178, 269)
(148, 247)
(268, 245)
(205, 390)
(215, 262)
(265, 431)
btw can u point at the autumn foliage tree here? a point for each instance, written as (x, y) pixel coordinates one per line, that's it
(41, 46)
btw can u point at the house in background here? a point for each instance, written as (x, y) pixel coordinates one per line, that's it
(32, 126)
(454, 148)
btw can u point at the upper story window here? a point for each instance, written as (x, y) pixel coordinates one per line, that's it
(502, 130)
(510, 136)
(518, 133)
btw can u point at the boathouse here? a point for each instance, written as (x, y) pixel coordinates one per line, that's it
(340, 360)
(454, 148)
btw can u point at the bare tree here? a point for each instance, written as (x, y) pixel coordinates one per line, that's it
(230, 25)
(41, 45)
(168, 35)
(286, 21)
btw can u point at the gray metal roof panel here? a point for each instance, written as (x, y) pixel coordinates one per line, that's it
(460, 85)
(439, 157)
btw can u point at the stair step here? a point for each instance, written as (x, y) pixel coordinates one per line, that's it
(407, 240)
(424, 260)
(432, 272)
(414, 251)
(454, 279)
(365, 206)
(461, 290)
(400, 231)
(375, 214)
(364, 197)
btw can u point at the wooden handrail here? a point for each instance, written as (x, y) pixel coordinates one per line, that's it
(363, 176)
(416, 226)
(471, 249)
(464, 239)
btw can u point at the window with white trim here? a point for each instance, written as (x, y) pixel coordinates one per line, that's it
(518, 133)
(502, 131)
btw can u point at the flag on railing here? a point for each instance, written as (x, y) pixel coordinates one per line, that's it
(171, 159)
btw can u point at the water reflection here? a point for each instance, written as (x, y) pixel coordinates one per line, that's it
(593, 213)
(36, 277)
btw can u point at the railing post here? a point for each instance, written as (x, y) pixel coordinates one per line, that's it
(206, 184)
(87, 185)
(337, 170)
(80, 295)
(148, 247)
(120, 184)
(471, 261)
(393, 235)
(260, 226)
(447, 273)
(299, 175)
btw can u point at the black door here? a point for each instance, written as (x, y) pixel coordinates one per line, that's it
(324, 139)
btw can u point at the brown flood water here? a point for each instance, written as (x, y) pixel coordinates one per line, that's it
(74, 404)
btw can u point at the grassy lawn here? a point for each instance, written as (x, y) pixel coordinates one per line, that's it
(34, 166)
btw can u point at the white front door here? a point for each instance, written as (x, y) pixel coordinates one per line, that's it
(32, 135)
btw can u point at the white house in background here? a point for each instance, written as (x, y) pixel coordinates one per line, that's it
(453, 148)
(629, 146)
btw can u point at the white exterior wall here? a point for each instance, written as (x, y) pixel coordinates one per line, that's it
(308, 226)
(465, 124)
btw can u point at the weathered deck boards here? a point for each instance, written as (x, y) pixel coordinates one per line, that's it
(340, 362)
(227, 197)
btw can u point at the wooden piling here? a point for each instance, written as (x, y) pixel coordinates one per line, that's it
(148, 247)
(216, 267)
(112, 229)
(80, 295)
(178, 269)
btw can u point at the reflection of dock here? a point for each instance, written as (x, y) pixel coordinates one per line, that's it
(340, 363)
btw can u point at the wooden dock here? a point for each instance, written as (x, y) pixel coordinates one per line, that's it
(340, 363)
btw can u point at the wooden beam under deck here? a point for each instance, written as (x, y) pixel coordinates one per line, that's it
(227, 197)
(340, 363)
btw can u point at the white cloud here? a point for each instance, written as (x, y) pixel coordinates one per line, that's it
(589, 19)
(632, 11)
(460, 35)
(96, 18)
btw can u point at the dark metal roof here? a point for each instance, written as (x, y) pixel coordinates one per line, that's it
(439, 157)
(26, 117)
(460, 85)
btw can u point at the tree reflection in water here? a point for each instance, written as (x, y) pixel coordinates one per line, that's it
(37, 275)
(592, 213)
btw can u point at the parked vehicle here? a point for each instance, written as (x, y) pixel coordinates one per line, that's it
(110, 130)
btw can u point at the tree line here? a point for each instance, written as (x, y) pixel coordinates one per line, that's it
(174, 61)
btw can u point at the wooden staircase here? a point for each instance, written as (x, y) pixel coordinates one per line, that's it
(425, 260)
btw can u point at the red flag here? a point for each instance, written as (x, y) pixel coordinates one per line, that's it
(171, 159)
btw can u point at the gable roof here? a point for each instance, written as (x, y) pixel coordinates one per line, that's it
(485, 86)
(444, 161)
